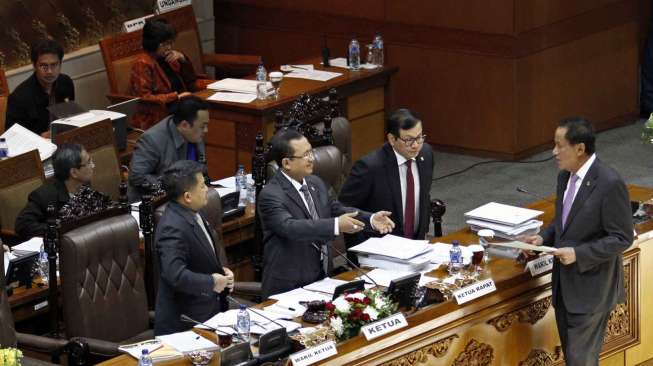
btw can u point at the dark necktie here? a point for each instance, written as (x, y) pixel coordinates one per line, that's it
(324, 256)
(409, 214)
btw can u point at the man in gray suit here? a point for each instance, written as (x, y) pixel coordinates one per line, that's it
(299, 218)
(591, 229)
(179, 136)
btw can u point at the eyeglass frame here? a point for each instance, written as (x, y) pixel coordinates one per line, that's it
(310, 154)
(45, 67)
(411, 141)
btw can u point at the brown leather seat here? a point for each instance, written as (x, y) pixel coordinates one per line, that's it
(4, 97)
(341, 130)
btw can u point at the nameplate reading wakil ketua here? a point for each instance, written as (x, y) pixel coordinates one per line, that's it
(540, 265)
(474, 291)
(384, 326)
(312, 355)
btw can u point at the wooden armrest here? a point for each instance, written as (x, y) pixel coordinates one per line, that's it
(225, 59)
(117, 98)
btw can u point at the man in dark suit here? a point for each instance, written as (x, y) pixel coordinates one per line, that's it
(591, 229)
(176, 137)
(299, 218)
(27, 104)
(73, 167)
(396, 178)
(193, 279)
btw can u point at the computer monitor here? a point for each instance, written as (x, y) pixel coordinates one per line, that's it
(349, 287)
(403, 290)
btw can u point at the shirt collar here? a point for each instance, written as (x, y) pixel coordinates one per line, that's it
(400, 158)
(176, 136)
(582, 172)
(294, 183)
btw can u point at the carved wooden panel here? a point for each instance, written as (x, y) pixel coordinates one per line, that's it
(528, 314)
(91, 137)
(475, 354)
(539, 357)
(437, 349)
(21, 168)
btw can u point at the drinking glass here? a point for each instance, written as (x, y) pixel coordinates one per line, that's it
(275, 79)
(484, 237)
(478, 253)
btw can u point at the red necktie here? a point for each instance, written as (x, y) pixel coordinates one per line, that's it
(409, 214)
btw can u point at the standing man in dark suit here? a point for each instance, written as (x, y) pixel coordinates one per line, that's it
(396, 178)
(193, 279)
(179, 136)
(28, 103)
(592, 227)
(299, 218)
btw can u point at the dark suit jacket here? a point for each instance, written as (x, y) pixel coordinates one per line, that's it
(599, 228)
(27, 104)
(32, 220)
(186, 261)
(374, 185)
(290, 259)
(157, 149)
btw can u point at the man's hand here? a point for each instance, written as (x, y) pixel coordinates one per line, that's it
(6, 248)
(46, 134)
(530, 239)
(230, 276)
(220, 282)
(566, 255)
(348, 224)
(174, 56)
(382, 223)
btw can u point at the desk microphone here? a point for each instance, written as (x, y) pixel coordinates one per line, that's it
(351, 264)
(521, 189)
(253, 311)
(188, 319)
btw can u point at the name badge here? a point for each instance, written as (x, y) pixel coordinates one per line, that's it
(167, 5)
(384, 326)
(134, 24)
(540, 265)
(312, 355)
(474, 291)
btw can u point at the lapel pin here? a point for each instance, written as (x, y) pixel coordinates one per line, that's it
(313, 188)
(588, 183)
(421, 158)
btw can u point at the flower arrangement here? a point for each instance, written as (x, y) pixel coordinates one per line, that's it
(10, 356)
(349, 312)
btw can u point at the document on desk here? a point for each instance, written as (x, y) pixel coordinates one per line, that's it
(327, 285)
(188, 341)
(230, 182)
(262, 321)
(383, 277)
(393, 246)
(232, 97)
(32, 245)
(525, 246)
(318, 75)
(503, 214)
(237, 85)
(300, 294)
(7, 258)
(21, 140)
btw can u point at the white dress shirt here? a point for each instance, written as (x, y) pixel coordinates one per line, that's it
(200, 222)
(581, 173)
(402, 181)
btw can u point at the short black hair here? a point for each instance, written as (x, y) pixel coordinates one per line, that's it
(180, 177)
(281, 148)
(579, 130)
(66, 157)
(186, 108)
(403, 119)
(155, 32)
(46, 46)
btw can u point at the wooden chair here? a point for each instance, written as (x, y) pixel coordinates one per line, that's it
(20, 176)
(4, 97)
(119, 52)
(98, 140)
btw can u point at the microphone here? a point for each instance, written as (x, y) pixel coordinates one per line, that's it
(521, 189)
(188, 319)
(253, 311)
(351, 264)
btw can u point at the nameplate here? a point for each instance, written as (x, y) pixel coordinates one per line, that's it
(312, 355)
(384, 326)
(167, 5)
(540, 265)
(134, 24)
(41, 305)
(474, 291)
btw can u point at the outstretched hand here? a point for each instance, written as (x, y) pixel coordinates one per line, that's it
(382, 223)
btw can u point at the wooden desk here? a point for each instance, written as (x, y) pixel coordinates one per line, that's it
(233, 126)
(513, 326)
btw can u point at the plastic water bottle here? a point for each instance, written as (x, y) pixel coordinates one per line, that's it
(261, 78)
(4, 149)
(146, 359)
(455, 258)
(354, 55)
(378, 49)
(241, 185)
(44, 266)
(242, 323)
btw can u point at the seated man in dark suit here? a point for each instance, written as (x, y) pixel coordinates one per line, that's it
(299, 218)
(397, 177)
(179, 136)
(193, 280)
(27, 104)
(73, 168)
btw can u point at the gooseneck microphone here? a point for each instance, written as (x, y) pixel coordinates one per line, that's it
(521, 189)
(254, 311)
(188, 319)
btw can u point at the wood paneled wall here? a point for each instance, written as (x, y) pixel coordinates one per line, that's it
(488, 78)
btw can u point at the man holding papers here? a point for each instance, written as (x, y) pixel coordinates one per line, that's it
(193, 277)
(591, 228)
(299, 218)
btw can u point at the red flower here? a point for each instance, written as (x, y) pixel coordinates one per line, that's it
(367, 301)
(329, 306)
(366, 317)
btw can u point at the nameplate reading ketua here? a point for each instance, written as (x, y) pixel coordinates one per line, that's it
(384, 326)
(312, 355)
(474, 291)
(540, 265)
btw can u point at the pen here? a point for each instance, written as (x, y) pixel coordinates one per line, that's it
(299, 67)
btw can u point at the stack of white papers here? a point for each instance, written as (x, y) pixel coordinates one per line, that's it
(382, 277)
(21, 140)
(327, 285)
(393, 253)
(505, 220)
(440, 253)
(237, 85)
(188, 341)
(318, 75)
(90, 117)
(262, 321)
(233, 97)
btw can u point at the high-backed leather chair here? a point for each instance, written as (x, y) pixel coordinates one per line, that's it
(341, 132)
(20, 176)
(4, 97)
(98, 140)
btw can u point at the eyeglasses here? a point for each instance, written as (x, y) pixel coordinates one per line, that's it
(46, 67)
(307, 155)
(412, 140)
(90, 164)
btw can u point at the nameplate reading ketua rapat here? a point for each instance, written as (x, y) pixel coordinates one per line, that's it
(540, 265)
(384, 326)
(474, 291)
(312, 355)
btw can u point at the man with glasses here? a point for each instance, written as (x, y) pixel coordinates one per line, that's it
(73, 168)
(396, 177)
(28, 103)
(299, 219)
